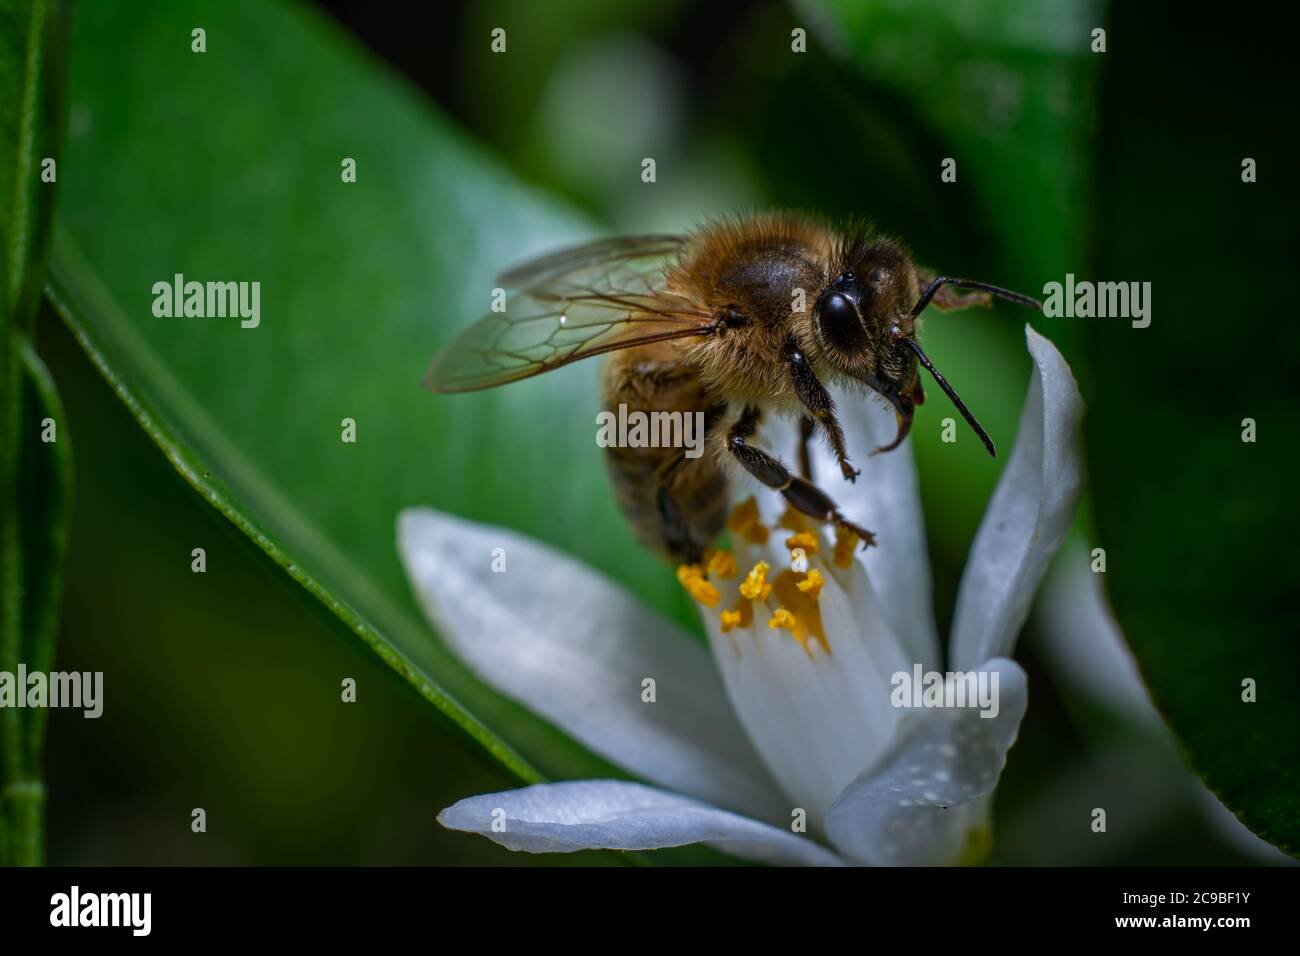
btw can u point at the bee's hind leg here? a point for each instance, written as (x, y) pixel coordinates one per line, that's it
(686, 526)
(678, 541)
(802, 494)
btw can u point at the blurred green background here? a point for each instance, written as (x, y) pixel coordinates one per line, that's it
(224, 687)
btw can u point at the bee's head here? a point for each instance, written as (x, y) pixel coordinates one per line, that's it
(865, 323)
(872, 289)
(861, 319)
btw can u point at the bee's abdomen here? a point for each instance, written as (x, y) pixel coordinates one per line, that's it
(676, 505)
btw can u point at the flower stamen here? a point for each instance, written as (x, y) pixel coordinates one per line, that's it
(692, 579)
(846, 542)
(793, 520)
(742, 616)
(812, 583)
(722, 564)
(744, 521)
(756, 586)
(782, 617)
(803, 539)
(800, 603)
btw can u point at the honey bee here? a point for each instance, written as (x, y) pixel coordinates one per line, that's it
(744, 317)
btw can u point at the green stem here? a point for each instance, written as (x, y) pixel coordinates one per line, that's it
(48, 477)
(11, 571)
(33, 49)
(46, 485)
(25, 244)
(24, 804)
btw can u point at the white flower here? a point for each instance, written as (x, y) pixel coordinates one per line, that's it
(792, 719)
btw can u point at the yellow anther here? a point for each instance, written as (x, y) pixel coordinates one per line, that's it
(812, 583)
(803, 539)
(744, 521)
(846, 542)
(755, 586)
(722, 564)
(783, 618)
(793, 520)
(692, 579)
(742, 616)
(743, 515)
(805, 614)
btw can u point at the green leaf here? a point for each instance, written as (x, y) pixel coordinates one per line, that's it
(226, 166)
(1005, 90)
(1199, 525)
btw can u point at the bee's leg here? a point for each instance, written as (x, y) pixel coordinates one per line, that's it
(806, 428)
(802, 495)
(687, 528)
(676, 532)
(812, 393)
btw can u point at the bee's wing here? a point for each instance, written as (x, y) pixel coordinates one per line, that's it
(568, 306)
(647, 251)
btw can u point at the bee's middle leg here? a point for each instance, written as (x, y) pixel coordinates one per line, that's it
(806, 428)
(802, 494)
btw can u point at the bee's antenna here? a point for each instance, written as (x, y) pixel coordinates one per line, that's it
(998, 291)
(956, 399)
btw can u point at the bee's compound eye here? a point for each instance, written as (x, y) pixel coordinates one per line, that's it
(837, 308)
(837, 317)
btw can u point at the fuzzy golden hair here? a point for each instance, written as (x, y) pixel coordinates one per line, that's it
(764, 267)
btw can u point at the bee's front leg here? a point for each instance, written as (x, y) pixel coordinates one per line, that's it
(821, 407)
(802, 495)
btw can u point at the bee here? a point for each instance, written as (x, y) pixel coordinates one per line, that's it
(744, 317)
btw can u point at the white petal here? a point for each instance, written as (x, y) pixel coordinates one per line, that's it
(817, 719)
(1028, 517)
(886, 500)
(925, 803)
(1082, 642)
(573, 647)
(616, 815)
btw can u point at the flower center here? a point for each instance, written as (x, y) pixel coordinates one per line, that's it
(790, 599)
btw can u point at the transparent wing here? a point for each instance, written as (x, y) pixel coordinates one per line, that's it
(638, 253)
(567, 306)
